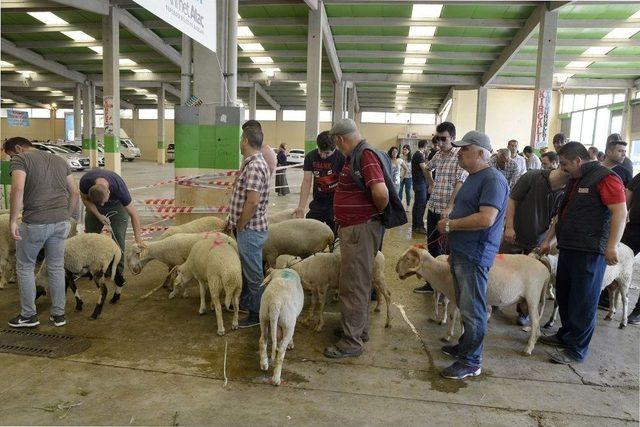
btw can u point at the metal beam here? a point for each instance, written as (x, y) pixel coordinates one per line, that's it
(329, 46)
(33, 58)
(519, 40)
(420, 79)
(94, 6)
(154, 41)
(24, 100)
(263, 93)
(43, 44)
(572, 83)
(445, 100)
(313, 4)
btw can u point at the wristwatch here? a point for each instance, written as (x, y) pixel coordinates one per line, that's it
(447, 229)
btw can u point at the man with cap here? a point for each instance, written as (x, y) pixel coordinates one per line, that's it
(474, 229)
(357, 213)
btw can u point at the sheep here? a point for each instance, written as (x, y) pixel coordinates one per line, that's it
(321, 272)
(280, 306)
(511, 278)
(7, 253)
(204, 224)
(217, 264)
(171, 251)
(92, 251)
(299, 237)
(280, 216)
(616, 279)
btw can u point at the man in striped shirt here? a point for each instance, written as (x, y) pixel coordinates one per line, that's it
(506, 165)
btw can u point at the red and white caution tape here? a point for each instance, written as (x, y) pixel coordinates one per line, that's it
(187, 209)
(163, 202)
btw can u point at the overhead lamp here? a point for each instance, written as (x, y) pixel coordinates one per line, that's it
(621, 33)
(78, 36)
(400, 107)
(411, 71)
(426, 11)
(96, 49)
(270, 72)
(403, 86)
(562, 77)
(579, 64)
(141, 70)
(57, 92)
(7, 100)
(418, 47)
(261, 59)
(244, 31)
(25, 73)
(415, 61)
(422, 31)
(598, 50)
(48, 18)
(5, 64)
(251, 47)
(126, 62)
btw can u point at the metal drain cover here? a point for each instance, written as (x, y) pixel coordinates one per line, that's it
(32, 343)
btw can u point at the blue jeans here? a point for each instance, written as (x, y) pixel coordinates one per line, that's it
(470, 286)
(250, 243)
(420, 204)
(405, 185)
(35, 237)
(578, 283)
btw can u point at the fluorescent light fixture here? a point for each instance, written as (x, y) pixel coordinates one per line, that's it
(261, 59)
(57, 92)
(141, 70)
(562, 77)
(426, 11)
(578, 64)
(403, 86)
(244, 31)
(5, 64)
(411, 71)
(96, 49)
(270, 72)
(53, 105)
(255, 47)
(7, 100)
(25, 73)
(421, 31)
(139, 90)
(415, 61)
(598, 50)
(621, 33)
(48, 18)
(418, 47)
(78, 36)
(400, 107)
(635, 15)
(126, 61)
(303, 86)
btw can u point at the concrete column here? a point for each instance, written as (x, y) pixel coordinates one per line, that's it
(544, 78)
(351, 102)
(111, 89)
(186, 70)
(626, 118)
(314, 77)
(252, 102)
(87, 120)
(77, 114)
(221, 49)
(232, 51)
(208, 83)
(161, 133)
(481, 109)
(338, 100)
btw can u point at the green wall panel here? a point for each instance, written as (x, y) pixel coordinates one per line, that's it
(227, 146)
(187, 146)
(207, 144)
(111, 144)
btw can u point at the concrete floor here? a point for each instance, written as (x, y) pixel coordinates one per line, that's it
(156, 362)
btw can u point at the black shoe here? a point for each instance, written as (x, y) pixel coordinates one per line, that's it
(563, 357)
(334, 352)
(338, 332)
(24, 322)
(249, 322)
(424, 289)
(634, 317)
(58, 320)
(419, 230)
(450, 350)
(552, 340)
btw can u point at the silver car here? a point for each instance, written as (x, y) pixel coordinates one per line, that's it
(76, 162)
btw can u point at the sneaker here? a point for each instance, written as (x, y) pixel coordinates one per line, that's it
(552, 340)
(450, 350)
(24, 322)
(249, 322)
(459, 370)
(58, 320)
(563, 357)
(634, 317)
(424, 289)
(523, 320)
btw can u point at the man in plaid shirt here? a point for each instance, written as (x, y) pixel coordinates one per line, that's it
(248, 221)
(506, 165)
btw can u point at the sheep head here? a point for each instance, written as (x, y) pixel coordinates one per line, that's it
(409, 263)
(136, 259)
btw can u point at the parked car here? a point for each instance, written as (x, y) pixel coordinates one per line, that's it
(77, 149)
(128, 150)
(295, 156)
(76, 162)
(171, 152)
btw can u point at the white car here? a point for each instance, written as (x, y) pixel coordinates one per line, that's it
(76, 162)
(128, 150)
(295, 156)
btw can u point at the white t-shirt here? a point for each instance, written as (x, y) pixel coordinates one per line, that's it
(533, 162)
(522, 164)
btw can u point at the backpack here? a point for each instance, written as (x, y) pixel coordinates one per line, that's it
(394, 213)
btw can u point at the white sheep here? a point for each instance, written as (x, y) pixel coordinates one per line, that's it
(280, 216)
(321, 272)
(7, 253)
(217, 264)
(512, 278)
(90, 252)
(617, 280)
(171, 251)
(280, 306)
(299, 237)
(204, 224)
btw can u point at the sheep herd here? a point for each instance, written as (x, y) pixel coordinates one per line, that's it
(299, 256)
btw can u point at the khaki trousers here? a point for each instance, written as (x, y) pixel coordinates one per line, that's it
(358, 247)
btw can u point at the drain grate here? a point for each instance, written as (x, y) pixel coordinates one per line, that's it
(33, 343)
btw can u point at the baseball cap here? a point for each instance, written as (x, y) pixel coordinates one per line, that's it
(474, 138)
(343, 127)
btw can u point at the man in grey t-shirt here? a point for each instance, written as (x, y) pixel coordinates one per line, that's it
(45, 193)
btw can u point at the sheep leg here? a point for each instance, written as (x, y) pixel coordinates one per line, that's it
(262, 343)
(101, 284)
(535, 325)
(215, 296)
(436, 312)
(203, 293)
(236, 307)
(454, 318)
(321, 300)
(312, 305)
(554, 315)
(282, 349)
(625, 304)
(446, 309)
(116, 295)
(612, 300)
(384, 292)
(71, 284)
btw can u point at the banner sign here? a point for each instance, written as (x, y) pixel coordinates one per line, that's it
(17, 118)
(542, 113)
(195, 18)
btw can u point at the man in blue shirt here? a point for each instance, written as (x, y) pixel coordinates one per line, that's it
(474, 229)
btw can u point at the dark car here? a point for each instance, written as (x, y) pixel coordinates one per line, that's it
(171, 152)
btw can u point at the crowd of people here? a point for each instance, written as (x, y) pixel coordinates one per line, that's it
(476, 202)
